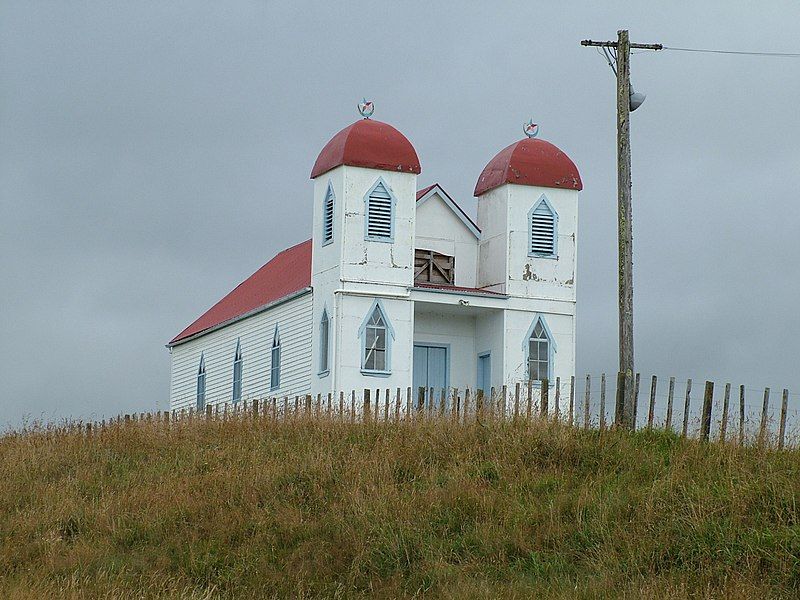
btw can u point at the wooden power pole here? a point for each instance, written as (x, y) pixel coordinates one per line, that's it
(620, 52)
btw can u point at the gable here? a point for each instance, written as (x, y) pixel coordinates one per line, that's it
(436, 205)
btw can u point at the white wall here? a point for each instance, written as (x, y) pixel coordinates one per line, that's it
(256, 334)
(439, 229)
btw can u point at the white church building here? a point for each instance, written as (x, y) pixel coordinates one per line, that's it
(398, 287)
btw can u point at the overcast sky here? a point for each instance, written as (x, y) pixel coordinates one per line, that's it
(153, 155)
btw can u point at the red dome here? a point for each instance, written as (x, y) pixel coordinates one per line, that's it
(530, 162)
(370, 144)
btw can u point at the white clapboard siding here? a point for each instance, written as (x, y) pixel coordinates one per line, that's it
(256, 334)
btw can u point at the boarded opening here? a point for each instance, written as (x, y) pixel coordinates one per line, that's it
(432, 267)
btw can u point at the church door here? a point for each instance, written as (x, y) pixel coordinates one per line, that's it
(430, 370)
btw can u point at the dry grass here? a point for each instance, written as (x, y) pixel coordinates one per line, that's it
(319, 509)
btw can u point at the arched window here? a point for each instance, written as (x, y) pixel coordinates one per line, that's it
(327, 216)
(376, 338)
(237, 373)
(539, 351)
(275, 364)
(380, 213)
(542, 229)
(201, 384)
(324, 343)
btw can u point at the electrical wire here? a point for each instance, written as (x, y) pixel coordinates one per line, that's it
(779, 54)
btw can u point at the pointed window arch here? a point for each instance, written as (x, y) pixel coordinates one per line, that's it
(380, 203)
(539, 350)
(376, 334)
(543, 229)
(324, 343)
(327, 215)
(275, 362)
(237, 372)
(201, 384)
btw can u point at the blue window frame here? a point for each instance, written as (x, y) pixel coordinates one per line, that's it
(327, 215)
(324, 343)
(237, 373)
(376, 334)
(275, 361)
(543, 230)
(379, 213)
(539, 350)
(201, 384)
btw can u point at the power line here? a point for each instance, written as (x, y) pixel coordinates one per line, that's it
(782, 54)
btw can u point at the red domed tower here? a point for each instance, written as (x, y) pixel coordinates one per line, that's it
(365, 183)
(528, 215)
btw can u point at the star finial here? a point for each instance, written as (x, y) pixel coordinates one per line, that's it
(366, 108)
(531, 129)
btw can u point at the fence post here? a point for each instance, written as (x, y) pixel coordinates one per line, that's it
(530, 400)
(652, 408)
(442, 401)
(620, 399)
(741, 415)
(352, 406)
(762, 429)
(341, 405)
(782, 431)
(492, 402)
(708, 399)
(455, 407)
(408, 402)
(397, 406)
(208, 412)
(572, 401)
(544, 393)
(386, 405)
(586, 401)
(556, 407)
(421, 400)
(330, 402)
(516, 401)
(366, 404)
(670, 398)
(602, 401)
(467, 397)
(635, 401)
(685, 430)
(723, 426)
(479, 408)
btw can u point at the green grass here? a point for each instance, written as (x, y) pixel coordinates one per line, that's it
(258, 509)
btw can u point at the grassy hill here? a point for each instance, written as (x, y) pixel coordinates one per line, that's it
(254, 508)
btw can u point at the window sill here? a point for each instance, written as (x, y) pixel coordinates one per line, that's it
(380, 239)
(369, 373)
(322, 374)
(550, 256)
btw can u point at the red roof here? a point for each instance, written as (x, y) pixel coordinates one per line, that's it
(287, 273)
(371, 144)
(530, 162)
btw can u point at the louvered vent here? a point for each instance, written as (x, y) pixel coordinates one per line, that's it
(327, 219)
(379, 213)
(543, 230)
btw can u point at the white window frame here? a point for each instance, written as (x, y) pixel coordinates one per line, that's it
(200, 397)
(551, 348)
(238, 370)
(275, 361)
(328, 205)
(389, 336)
(324, 344)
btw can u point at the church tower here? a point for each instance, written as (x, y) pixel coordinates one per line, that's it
(365, 181)
(528, 215)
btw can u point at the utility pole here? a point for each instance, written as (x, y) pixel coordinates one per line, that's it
(619, 52)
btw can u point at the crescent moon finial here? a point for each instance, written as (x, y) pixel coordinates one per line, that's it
(366, 108)
(531, 129)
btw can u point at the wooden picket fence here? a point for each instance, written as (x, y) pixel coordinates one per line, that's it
(521, 401)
